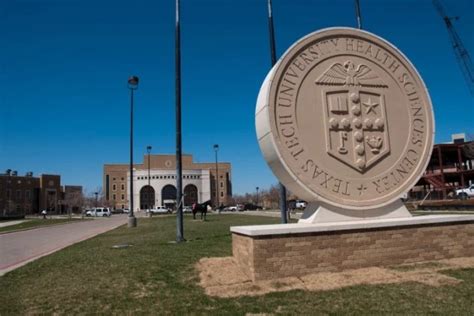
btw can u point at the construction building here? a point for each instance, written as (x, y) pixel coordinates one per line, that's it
(450, 168)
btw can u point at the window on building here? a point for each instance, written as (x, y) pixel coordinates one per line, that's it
(221, 176)
(27, 195)
(122, 178)
(123, 186)
(114, 197)
(107, 187)
(123, 206)
(18, 194)
(123, 197)
(222, 194)
(222, 184)
(113, 179)
(9, 194)
(114, 187)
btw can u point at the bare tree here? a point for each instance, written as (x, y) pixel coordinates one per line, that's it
(74, 200)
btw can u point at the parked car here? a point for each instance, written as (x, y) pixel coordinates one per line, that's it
(117, 211)
(251, 207)
(296, 204)
(466, 192)
(126, 210)
(300, 204)
(159, 210)
(235, 208)
(187, 209)
(99, 212)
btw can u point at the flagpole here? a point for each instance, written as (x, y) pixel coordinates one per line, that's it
(283, 206)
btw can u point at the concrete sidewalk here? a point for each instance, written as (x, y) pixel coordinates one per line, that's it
(11, 223)
(19, 248)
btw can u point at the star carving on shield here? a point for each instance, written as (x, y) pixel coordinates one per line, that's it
(370, 106)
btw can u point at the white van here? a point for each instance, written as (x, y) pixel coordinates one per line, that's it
(160, 210)
(99, 212)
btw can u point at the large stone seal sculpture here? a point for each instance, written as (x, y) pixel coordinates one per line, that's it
(344, 120)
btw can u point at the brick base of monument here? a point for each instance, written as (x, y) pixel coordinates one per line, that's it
(291, 250)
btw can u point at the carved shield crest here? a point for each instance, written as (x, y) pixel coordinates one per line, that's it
(355, 116)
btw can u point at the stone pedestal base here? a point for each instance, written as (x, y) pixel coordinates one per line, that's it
(319, 212)
(292, 250)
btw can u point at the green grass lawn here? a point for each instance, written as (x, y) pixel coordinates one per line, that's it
(36, 222)
(157, 277)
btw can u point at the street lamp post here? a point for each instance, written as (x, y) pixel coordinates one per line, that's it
(179, 157)
(216, 149)
(132, 85)
(283, 206)
(358, 16)
(148, 150)
(257, 194)
(96, 198)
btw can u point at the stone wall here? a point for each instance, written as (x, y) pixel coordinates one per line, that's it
(276, 256)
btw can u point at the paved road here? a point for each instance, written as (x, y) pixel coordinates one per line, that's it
(21, 247)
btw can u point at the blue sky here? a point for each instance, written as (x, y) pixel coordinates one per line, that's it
(64, 64)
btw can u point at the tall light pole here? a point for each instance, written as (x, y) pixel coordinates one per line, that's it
(179, 167)
(358, 16)
(132, 85)
(148, 150)
(283, 206)
(96, 198)
(257, 194)
(216, 149)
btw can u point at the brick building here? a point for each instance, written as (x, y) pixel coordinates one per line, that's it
(24, 195)
(199, 182)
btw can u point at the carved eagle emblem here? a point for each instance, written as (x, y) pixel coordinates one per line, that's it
(350, 75)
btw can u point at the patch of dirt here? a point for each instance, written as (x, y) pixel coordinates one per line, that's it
(222, 277)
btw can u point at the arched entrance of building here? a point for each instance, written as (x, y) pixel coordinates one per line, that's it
(147, 197)
(190, 195)
(168, 196)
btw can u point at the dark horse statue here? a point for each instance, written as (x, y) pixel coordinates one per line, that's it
(201, 207)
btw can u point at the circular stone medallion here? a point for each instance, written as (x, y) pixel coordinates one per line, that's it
(345, 118)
